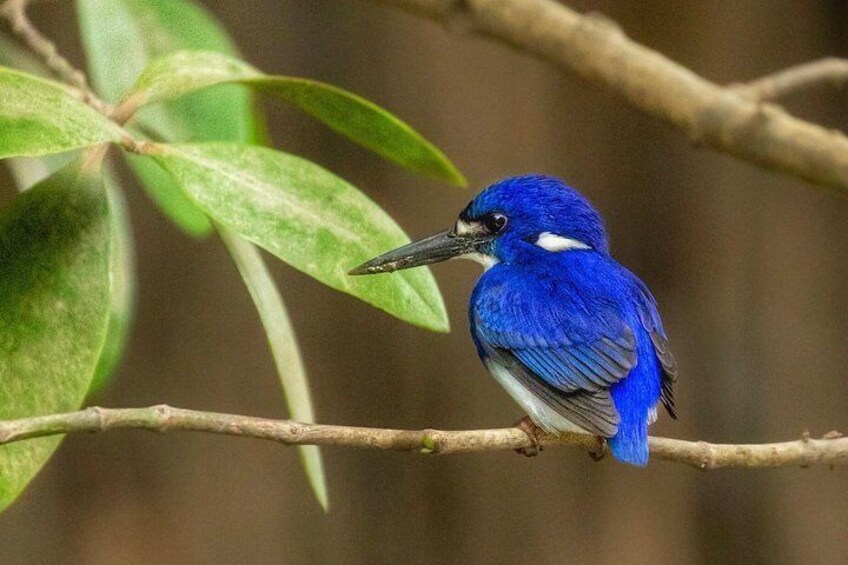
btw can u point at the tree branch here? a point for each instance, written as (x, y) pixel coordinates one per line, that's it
(830, 70)
(831, 450)
(597, 50)
(14, 11)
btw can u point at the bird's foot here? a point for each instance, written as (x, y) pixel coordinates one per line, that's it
(527, 426)
(600, 450)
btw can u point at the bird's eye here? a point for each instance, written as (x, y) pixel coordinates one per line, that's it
(494, 222)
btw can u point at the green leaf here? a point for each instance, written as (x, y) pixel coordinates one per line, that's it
(120, 38)
(54, 303)
(38, 117)
(284, 347)
(184, 72)
(121, 284)
(171, 201)
(306, 216)
(30, 170)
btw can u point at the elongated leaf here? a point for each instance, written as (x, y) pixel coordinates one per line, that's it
(184, 72)
(38, 117)
(30, 170)
(54, 303)
(120, 38)
(284, 347)
(120, 31)
(121, 284)
(306, 216)
(168, 197)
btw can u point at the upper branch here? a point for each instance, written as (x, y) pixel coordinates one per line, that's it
(831, 450)
(597, 50)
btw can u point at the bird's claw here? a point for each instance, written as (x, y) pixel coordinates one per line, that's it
(600, 451)
(527, 426)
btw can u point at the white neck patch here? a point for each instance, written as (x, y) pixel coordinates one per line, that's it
(488, 261)
(555, 243)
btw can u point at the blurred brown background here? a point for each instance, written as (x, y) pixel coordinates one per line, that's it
(749, 268)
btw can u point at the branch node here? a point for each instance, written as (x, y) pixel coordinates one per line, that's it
(295, 433)
(96, 415)
(428, 443)
(707, 456)
(162, 414)
(137, 146)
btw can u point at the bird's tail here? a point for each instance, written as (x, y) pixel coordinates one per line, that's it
(630, 444)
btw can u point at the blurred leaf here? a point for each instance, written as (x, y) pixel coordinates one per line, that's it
(54, 303)
(170, 199)
(306, 216)
(284, 347)
(184, 72)
(38, 117)
(121, 284)
(29, 171)
(120, 38)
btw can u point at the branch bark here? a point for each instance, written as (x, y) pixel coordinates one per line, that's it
(830, 450)
(596, 49)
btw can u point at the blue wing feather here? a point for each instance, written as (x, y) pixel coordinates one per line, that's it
(570, 332)
(650, 319)
(566, 343)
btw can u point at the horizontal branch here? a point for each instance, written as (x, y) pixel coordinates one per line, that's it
(832, 450)
(596, 49)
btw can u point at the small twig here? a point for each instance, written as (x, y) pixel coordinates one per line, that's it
(796, 79)
(833, 450)
(14, 11)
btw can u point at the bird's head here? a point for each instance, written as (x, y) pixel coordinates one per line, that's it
(514, 220)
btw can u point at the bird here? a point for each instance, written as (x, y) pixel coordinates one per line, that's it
(573, 336)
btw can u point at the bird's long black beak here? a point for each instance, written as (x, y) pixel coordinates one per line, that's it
(432, 249)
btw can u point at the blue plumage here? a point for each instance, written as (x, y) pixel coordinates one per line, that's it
(573, 337)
